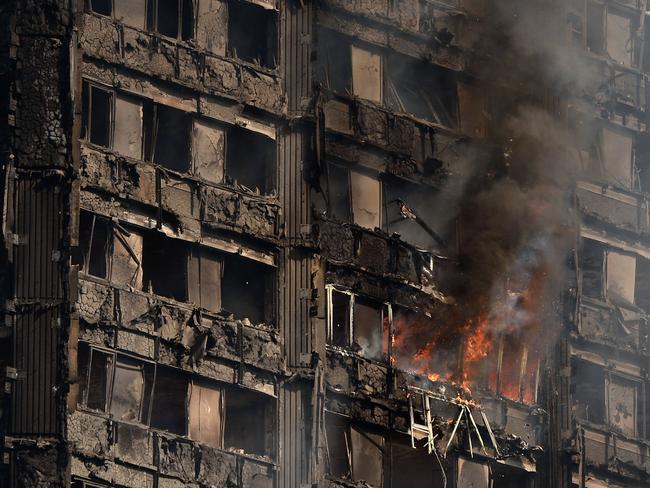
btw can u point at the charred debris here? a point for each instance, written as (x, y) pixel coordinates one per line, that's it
(344, 243)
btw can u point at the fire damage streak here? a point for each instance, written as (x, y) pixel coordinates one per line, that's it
(290, 244)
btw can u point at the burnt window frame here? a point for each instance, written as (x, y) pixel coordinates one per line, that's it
(87, 108)
(111, 364)
(85, 254)
(152, 20)
(270, 178)
(362, 429)
(186, 25)
(348, 169)
(89, 7)
(151, 378)
(604, 9)
(271, 28)
(270, 285)
(151, 126)
(386, 315)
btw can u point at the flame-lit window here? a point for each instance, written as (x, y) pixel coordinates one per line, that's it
(512, 369)
(358, 323)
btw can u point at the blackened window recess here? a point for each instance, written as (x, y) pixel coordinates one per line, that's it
(169, 403)
(170, 137)
(97, 114)
(595, 27)
(171, 18)
(337, 186)
(102, 7)
(588, 391)
(99, 378)
(592, 256)
(642, 286)
(251, 159)
(338, 451)
(421, 89)
(247, 289)
(92, 253)
(340, 320)
(412, 467)
(333, 62)
(164, 266)
(249, 422)
(252, 33)
(354, 452)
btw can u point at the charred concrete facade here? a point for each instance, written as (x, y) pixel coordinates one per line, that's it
(237, 249)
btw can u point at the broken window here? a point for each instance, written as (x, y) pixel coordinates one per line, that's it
(611, 32)
(365, 191)
(367, 456)
(126, 258)
(623, 404)
(205, 414)
(366, 74)
(97, 109)
(595, 27)
(171, 18)
(251, 159)
(168, 135)
(413, 466)
(339, 318)
(127, 135)
(504, 476)
(353, 452)
(337, 186)
(407, 212)
(252, 33)
(168, 408)
(422, 90)
(249, 422)
(164, 266)
(588, 388)
(616, 157)
(592, 262)
(114, 383)
(92, 253)
(358, 321)
(204, 278)
(208, 150)
(127, 390)
(102, 7)
(368, 328)
(619, 38)
(621, 270)
(247, 289)
(333, 69)
(642, 284)
(473, 474)
(353, 196)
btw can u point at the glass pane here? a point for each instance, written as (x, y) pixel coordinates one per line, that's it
(128, 388)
